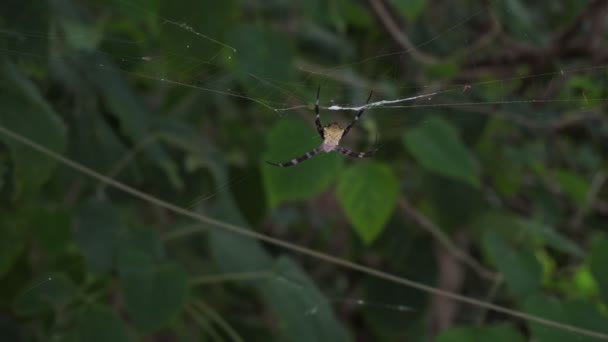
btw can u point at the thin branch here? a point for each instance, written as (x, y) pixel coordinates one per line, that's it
(424, 222)
(387, 20)
(486, 38)
(592, 14)
(205, 325)
(126, 159)
(562, 45)
(218, 319)
(245, 232)
(490, 298)
(594, 190)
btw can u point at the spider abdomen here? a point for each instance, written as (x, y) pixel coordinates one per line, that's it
(332, 135)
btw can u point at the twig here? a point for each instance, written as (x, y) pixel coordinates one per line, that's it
(125, 160)
(594, 189)
(486, 38)
(562, 46)
(590, 16)
(442, 238)
(204, 323)
(397, 34)
(450, 277)
(490, 298)
(218, 319)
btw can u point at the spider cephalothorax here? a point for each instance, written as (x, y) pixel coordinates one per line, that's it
(331, 134)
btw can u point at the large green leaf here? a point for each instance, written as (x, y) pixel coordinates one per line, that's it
(528, 231)
(520, 268)
(573, 312)
(368, 193)
(518, 19)
(154, 293)
(551, 237)
(26, 112)
(53, 291)
(12, 241)
(136, 121)
(599, 265)
(436, 146)
(304, 313)
(97, 323)
(573, 184)
(51, 228)
(289, 139)
(497, 333)
(98, 231)
(410, 9)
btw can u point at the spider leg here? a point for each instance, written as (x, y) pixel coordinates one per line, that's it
(297, 160)
(318, 118)
(357, 116)
(352, 154)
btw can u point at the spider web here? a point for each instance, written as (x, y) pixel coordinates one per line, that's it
(186, 62)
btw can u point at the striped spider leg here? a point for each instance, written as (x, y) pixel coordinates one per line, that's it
(331, 134)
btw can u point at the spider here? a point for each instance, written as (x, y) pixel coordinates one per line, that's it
(331, 134)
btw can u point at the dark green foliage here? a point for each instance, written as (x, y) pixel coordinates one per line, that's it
(494, 187)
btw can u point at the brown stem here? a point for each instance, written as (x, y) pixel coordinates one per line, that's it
(390, 24)
(414, 214)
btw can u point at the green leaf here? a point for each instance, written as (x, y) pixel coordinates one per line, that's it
(518, 20)
(520, 268)
(585, 283)
(574, 185)
(27, 113)
(534, 233)
(146, 241)
(98, 231)
(80, 35)
(12, 241)
(436, 146)
(97, 323)
(52, 228)
(368, 194)
(304, 314)
(573, 312)
(441, 70)
(355, 14)
(598, 264)
(496, 333)
(135, 120)
(287, 140)
(411, 9)
(53, 291)
(552, 237)
(154, 294)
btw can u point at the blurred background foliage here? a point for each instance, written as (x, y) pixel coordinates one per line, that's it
(493, 188)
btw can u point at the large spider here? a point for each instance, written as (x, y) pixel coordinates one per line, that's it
(331, 134)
